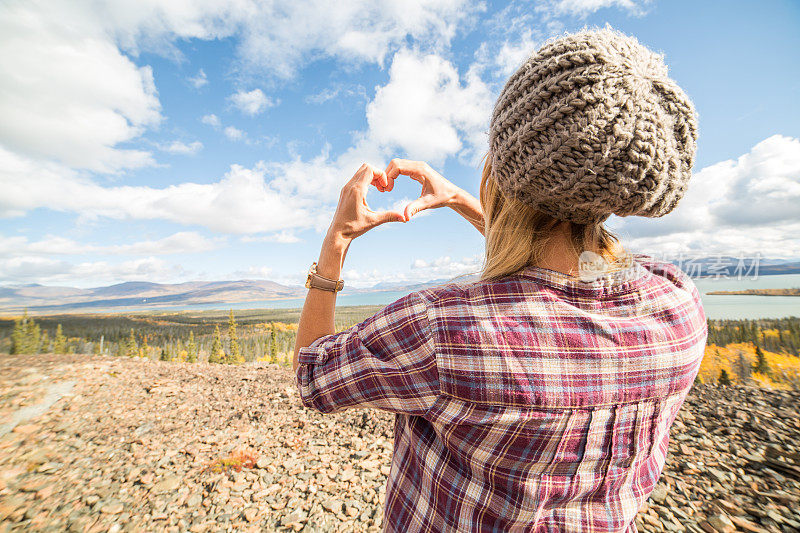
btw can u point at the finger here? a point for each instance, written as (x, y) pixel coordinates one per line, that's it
(405, 167)
(391, 174)
(392, 169)
(360, 174)
(420, 204)
(382, 179)
(365, 175)
(416, 170)
(377, 182)
(382, 217)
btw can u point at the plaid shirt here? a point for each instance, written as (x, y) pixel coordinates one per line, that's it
(532, 403)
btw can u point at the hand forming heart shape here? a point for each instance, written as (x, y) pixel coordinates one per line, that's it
(436, 190)
(353, 216)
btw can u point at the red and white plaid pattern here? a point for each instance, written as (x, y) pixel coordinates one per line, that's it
(532, 403)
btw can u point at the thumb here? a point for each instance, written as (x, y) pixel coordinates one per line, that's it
(420, 204)
(383, 217)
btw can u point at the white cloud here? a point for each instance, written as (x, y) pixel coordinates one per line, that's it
(102, 98)
(252, 102)
(281, 38)
(513, 54)
(284, 237)
(337, 91)
(180, 147)
(183, 242)
(211, 120)
(329, 176)
(68, 93)
(440, 268)
(583, 8)
(323, 96)
(179, 243)
(252, 272)
(437, 100)
(749, 204)
(446, 267)
(515, 32)
(761, 187)
(399, 205)
(234, 134)
(440, 109)
(56, 271)
(243, 201)
(425, 109)
(199, 80)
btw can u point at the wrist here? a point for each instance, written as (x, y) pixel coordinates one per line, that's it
(331, 256)
(458, 199)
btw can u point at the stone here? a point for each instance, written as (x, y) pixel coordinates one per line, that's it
(745, 525)
(319, 472)
(112, 508)
(278, 505)
(9, 506)
(34, 485)
(333, 506)
(297, 517)
(792, 523)
(721, 523)
(26, 429)
(718, 475)
(168, 484)
(659, 494)
(45, 492)
(9, 474)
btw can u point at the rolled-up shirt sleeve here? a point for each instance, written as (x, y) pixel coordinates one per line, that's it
(386, 362)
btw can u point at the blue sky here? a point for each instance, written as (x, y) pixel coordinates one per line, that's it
(175, 142)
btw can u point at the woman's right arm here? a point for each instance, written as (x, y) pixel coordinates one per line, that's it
(436, 191)
(470, 208)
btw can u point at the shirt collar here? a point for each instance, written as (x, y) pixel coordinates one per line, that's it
(622, 280)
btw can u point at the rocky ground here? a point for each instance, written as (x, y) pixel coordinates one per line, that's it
(104, 444)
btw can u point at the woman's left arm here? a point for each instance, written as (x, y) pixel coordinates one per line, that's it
(353, 217)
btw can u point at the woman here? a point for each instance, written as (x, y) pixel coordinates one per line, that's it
(538, 398)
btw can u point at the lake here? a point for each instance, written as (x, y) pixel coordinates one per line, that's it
(742, 306)
(716, 306)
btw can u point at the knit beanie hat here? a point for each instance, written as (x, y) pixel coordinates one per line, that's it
(592, 125)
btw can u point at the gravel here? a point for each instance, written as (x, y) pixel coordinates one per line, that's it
(140, 445)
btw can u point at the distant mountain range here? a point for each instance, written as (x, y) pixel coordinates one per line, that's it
(711, 266)
(139, 294)
(142, 294)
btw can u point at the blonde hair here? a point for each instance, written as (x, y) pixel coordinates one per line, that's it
(517, 235)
